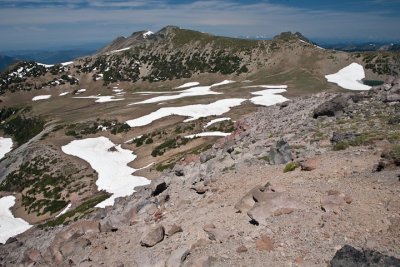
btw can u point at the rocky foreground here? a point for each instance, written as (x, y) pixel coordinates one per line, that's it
(311, 182)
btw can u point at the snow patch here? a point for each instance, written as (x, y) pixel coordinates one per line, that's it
(268, 97)
(193, 91)
(9, 225)
(114, 175)
(63, 94)
(64, 210)
(5, 146)
(101, 99)
(349, 77)
(120, 50)
(147, 34)
(41, 97)
(268, 86)
(215, 121)
(206, 134)
(186, 85)
(194, 112)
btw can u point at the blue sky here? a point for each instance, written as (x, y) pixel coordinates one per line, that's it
(39, 24)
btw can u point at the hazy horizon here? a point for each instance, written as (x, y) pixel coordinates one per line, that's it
(42, 24)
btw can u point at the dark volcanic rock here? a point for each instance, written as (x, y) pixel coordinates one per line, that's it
(348, 256)
(332, 107)
(280, 153)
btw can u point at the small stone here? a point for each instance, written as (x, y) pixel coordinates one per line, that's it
(173, 229)
(308, 165)
(241, 249)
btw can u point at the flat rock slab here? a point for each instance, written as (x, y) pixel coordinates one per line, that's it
(348, 256)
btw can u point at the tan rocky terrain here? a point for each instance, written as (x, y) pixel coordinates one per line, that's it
(244, 202)
(290, 186)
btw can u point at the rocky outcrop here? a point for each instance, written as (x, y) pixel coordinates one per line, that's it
(349, 256)
(263, 202)
(334, 106)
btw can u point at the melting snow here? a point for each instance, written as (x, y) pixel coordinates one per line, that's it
(41, 97)
(101, 99)
(215, 121)
(205, 134)
(186, 85)
(349, 77)
(268, 86)
(51, 65)
(5, 146)
(63, 94)
(194, 112)
(194, 91)
(120, 50)
(9, 225)
(268, 97)
(81, 90)
(64, 210)
(114, 175)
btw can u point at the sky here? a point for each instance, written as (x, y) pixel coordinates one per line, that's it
(42, 24)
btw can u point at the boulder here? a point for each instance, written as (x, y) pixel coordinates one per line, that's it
(280, 153)
(309, 164)
(152, 236)
(241, 249)
(350, 257)
(158, 186)
(203, 261)
(332, 107)
(33, 255)
(177, 257)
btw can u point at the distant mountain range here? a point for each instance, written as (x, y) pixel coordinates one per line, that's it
(362, 47)
(44, 56)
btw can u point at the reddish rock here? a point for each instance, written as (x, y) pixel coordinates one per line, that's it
(173, 229)
(309, 164)
(33, 255)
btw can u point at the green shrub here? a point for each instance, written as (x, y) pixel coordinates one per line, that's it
(340, 146)
(291, 166)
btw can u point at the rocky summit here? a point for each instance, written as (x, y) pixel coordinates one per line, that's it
(212, 155)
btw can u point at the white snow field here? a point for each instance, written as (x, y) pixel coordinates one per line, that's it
(194, 91)
(63, 94)
(101, 99)
(206, 134)
(147, 34)
(5, 146)
(9, 225)
(41, 97)
(268, 86)
(349, 77)
(194, 112)
(268, 97)
(186, 85)
(114, 175)
(215, 121)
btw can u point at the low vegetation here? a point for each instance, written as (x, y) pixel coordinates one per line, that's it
(17, 123)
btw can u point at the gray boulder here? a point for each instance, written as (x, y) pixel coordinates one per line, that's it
(280, 153)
